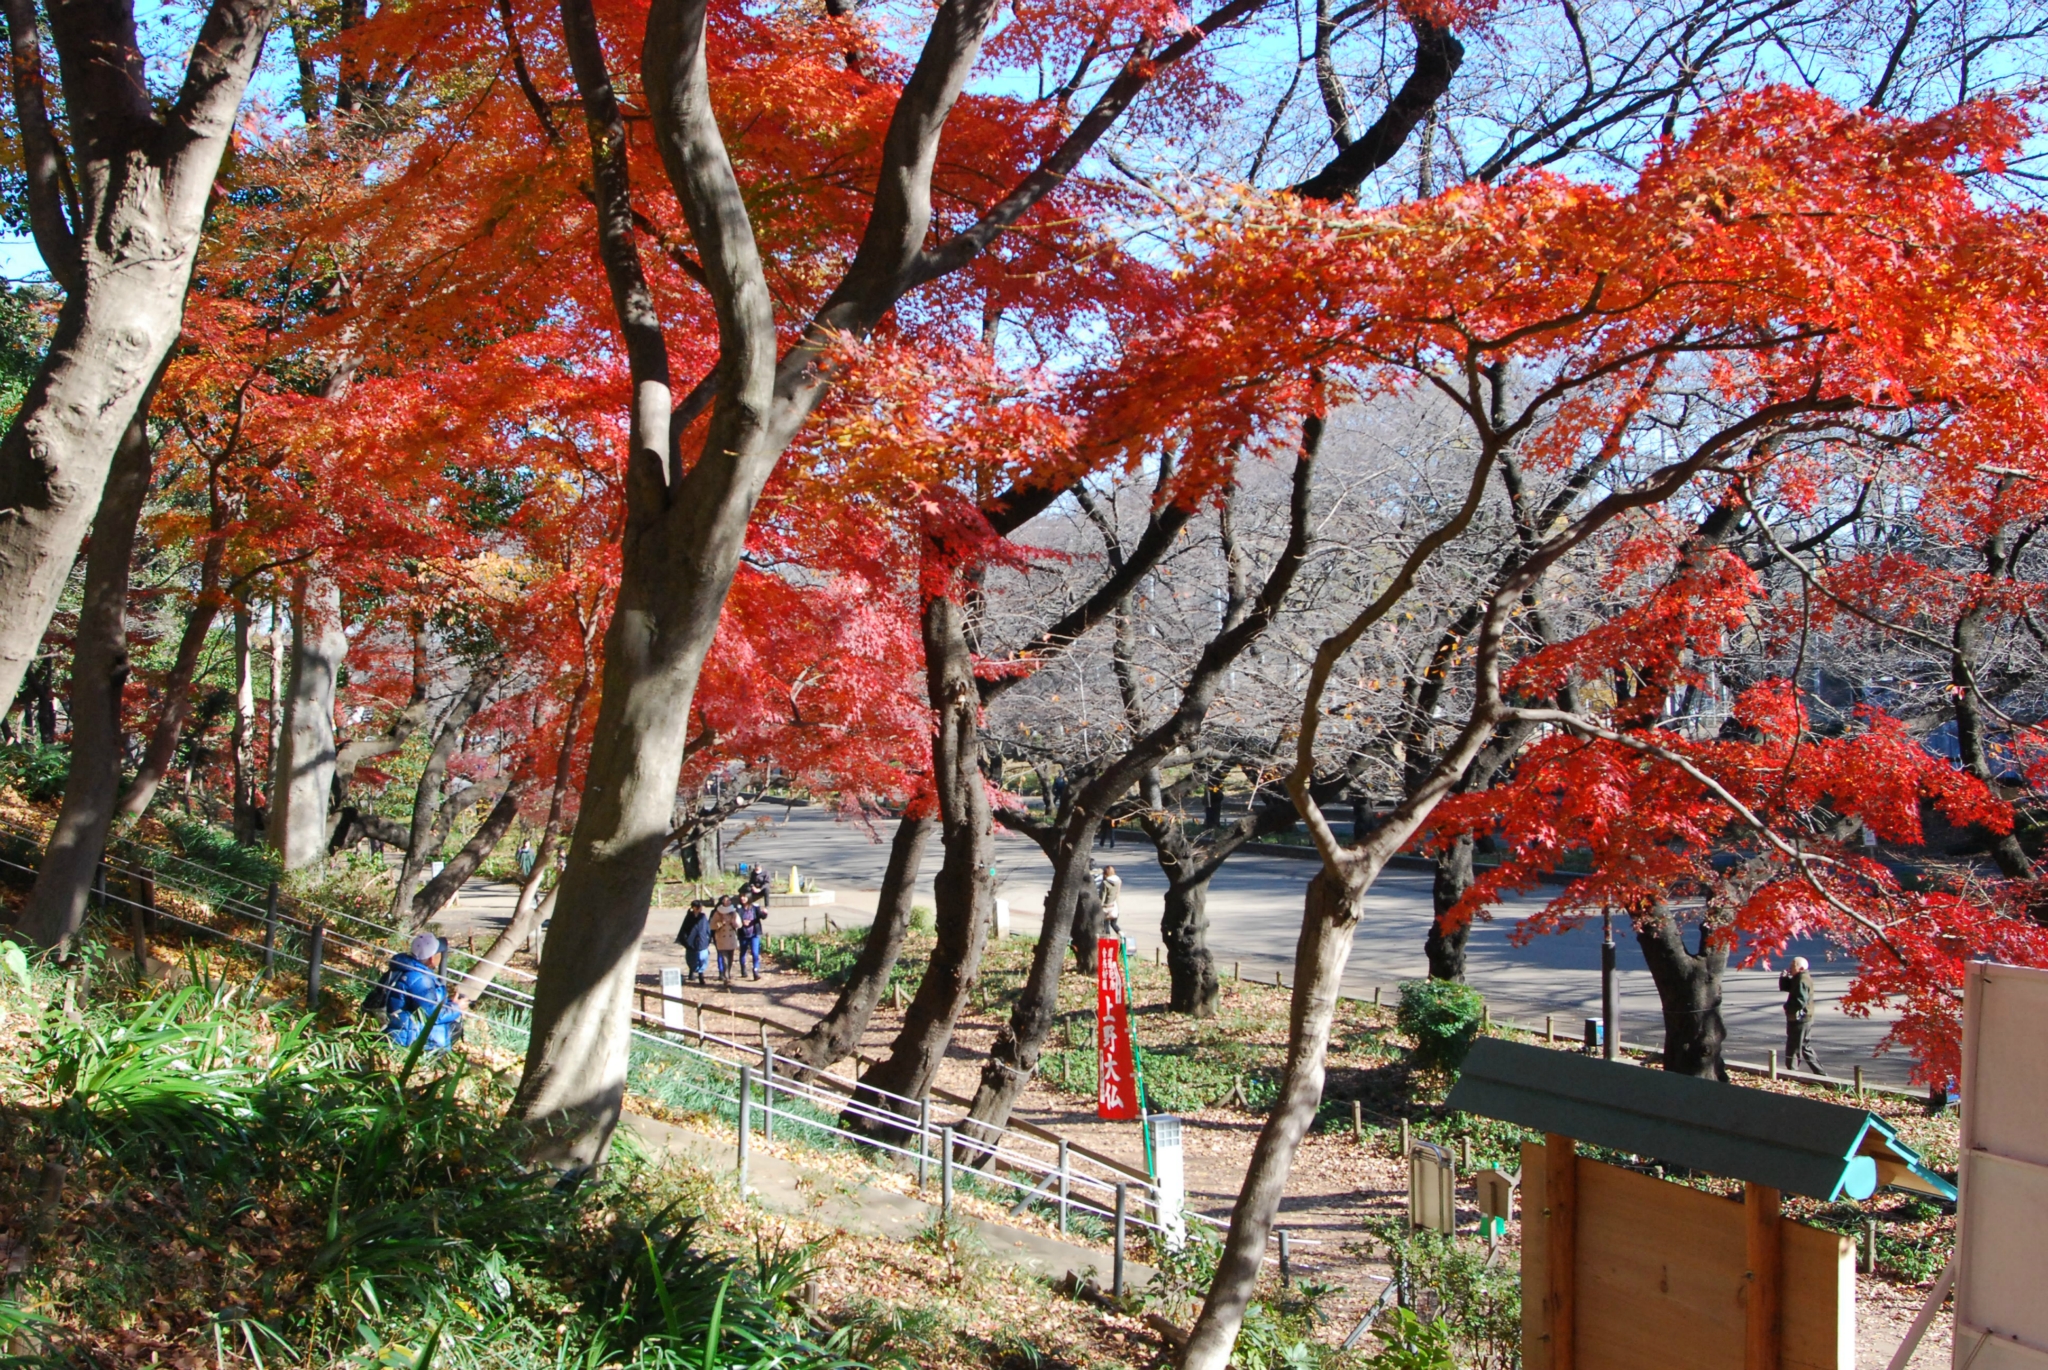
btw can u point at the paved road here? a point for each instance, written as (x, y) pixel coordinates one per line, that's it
(1255, 912)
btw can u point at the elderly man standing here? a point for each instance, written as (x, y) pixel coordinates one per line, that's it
(1797, 983)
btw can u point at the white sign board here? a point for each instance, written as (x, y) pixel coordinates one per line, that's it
(1169, 1180)
(672, 998)
(2002, 1239)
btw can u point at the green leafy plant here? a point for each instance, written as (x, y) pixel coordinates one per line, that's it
(1409, 1343)
(1442, 1017)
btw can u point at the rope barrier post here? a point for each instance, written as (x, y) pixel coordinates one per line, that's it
(1357, 1122)
(270, 933)
(767, 1086)
(99, 887)
(946, 1174)
(924, 1137)
(138, 940)
(1116, 1277)
(746, 1123)
(314, 953)
(1286, 1261)
(1066, 1178)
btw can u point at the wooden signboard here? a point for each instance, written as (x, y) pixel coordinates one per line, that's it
(1658, 1274)
(2002, 1250)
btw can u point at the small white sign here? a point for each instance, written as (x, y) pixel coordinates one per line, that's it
(1169, 1180)
(1431, 1196)
(672, 998)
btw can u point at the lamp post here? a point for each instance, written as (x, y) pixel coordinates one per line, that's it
(1609, 1022)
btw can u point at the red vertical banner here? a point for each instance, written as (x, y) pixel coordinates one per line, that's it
(1116, 1072)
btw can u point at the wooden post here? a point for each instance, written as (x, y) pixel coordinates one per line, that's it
(1771, 1059)
(1286, 1261)
(946, 1173)
(1065, 1175)
(1549, 1028)
(313, 955)
(1116, 1278)
(1859, 1084)
(767, 1086)
(924, 1137)
(1357, 1121)
(746, 1124)
(138, 940)
(1406, 1147)
(1561, 1253)
(1762, 1209)
(1237, 970)
(270, 932)
(1375, 996)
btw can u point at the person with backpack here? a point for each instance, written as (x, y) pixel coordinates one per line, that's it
(411, 998)
(695, 939)
(725, 935)
(752, 917)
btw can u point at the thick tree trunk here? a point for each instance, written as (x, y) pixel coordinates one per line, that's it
(1084, 927)
(438, 891)
(1333, 911)
(139, 188)
(963, 895)
(177, 694)
(245, 731)
(99, 671)
(1185, 924)
(837, 1035)
(304, 773)
(1689, 992)
(1189, 964)
(1445, 945)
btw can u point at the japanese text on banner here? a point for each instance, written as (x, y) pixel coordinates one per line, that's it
(1116, 1069)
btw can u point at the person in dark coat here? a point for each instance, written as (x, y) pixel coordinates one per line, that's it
(753, 914)
(695, 939)
(1797, 983)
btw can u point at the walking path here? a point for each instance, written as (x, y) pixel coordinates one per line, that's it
(805, 1192)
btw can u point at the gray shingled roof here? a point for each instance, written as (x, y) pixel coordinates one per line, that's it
(1802, 1146)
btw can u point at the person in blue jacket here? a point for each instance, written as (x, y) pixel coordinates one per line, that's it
(412, 997)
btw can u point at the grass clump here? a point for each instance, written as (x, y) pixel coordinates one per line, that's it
(216, 1178)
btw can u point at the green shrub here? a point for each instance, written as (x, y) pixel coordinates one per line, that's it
(1409, 1343)
(392, 1206)
(39, 770)
(1478, 1306)
(922, 919)
(1443, 1018)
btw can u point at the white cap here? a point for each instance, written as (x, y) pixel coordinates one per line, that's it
(425, 946)
(1799, 963)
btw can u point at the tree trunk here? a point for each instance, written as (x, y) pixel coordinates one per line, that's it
(428, 803)
(1185, 924)
(140, 181)
(1445, 946)
(1334, 908)
(837, 1035)
(177, 693)
(1189, 964)
(245, 731)
(438, 891)
(530, 910)
(99, 671)
(1689, 992)
(963, 894)
(304, 775)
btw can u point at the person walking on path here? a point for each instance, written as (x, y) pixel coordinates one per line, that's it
(695, 940)
(752, 916)
(1797, 983)
(526, 859)
(725, 935)
(412, 998)
(1107, 887)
